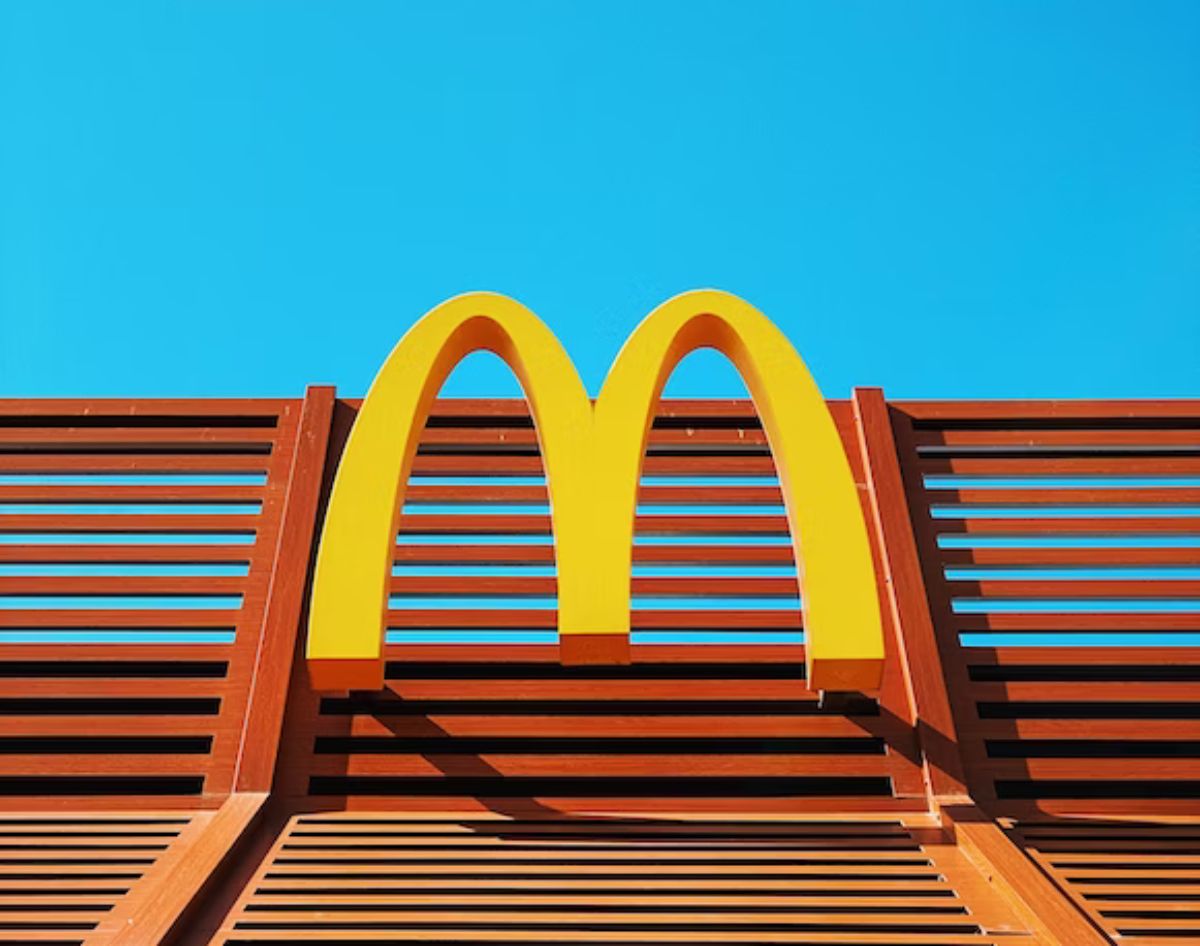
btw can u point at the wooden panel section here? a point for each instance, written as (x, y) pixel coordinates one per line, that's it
(63, 876)
(392, 878)
(713, 714)
(510, 729)
(1060, 550)
(178, 879)
(1139, 880)
(1034, 895)
(700, 794)
(136, 548)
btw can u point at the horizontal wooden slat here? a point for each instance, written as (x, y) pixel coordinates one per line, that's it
(1087, 656)
(483, 438)
(499, 465)
(496, 491)
(782, 619)
(262, 409)
(518, 524)
(709, 553)
(165, 494)
(99, 765)
(575, 764)
(1083, 622)
(1094, 590)
(462, 587)
(1015, 435)
(150, 523)
(121, 585)
(1141, 557)
(567, 725)
(88, 437)
(1188, 525)
(51, 463)
(1101, 411)
(175, 618)
(1017, 465)
(1050, 493)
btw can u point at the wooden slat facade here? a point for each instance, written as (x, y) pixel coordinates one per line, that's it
(1029, 771)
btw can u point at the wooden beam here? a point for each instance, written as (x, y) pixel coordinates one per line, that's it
(1036, 897)
(149, 910)
(285, 596)
(920, 657)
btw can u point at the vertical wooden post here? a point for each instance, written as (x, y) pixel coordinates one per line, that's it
(1039, 901)
(938, 737)
(263, 723)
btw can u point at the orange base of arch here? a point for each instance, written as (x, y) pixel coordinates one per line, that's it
(580, 649)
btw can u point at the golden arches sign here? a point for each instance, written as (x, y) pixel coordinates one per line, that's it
(592, 458)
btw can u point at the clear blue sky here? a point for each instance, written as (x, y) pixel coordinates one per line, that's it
(950, 199)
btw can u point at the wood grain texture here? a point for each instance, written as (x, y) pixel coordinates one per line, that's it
(62, 876)
(650, 879)
(700, 792)
(285, 597)
(1033, 895)
(1062, 729)
(115, 558)
(680, 684)
(171, 886)
(921, 659)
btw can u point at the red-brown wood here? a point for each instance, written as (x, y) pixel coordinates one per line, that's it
(1065, 729)
(689, 761)
(112, 725)
(921, 660)
(285, 596)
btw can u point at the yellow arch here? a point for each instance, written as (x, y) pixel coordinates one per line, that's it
(350, 590)
(843, 630)
(593, 460)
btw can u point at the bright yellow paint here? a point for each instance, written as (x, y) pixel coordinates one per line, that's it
(592, 459)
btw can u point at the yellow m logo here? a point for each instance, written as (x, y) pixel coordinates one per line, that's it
(593, 457)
